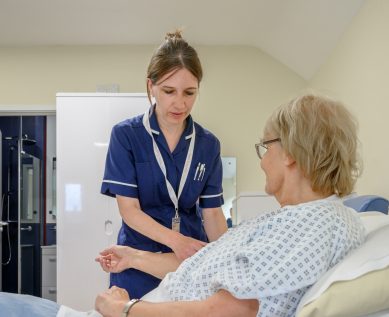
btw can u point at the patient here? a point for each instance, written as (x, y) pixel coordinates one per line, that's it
(263, 266)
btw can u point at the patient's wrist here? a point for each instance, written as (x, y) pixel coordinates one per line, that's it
(128, 306)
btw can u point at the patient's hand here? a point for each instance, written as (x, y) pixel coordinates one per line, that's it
(116, 258)
(112, 301)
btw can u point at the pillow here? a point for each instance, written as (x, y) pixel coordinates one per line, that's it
(373, 220)
(363, 295)
(357, 285)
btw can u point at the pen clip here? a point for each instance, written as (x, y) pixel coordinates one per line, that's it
(202, 167)
(202, 176)
(197, 170)
(201, 170)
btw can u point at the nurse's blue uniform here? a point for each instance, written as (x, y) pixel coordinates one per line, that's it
(132, 170)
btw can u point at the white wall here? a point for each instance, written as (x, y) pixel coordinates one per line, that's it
(357, 73)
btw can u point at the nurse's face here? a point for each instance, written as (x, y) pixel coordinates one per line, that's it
(175, 94)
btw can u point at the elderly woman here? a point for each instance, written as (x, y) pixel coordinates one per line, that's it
(264, 266)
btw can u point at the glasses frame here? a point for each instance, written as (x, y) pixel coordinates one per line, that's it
(264, 144)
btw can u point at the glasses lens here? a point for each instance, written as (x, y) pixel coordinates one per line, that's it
(262, 150)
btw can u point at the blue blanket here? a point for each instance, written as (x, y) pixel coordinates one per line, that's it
(16, 305)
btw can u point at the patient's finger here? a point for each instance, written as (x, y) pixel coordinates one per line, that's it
(104, 257)
(107, 251)
(105, 264)
(105, 267)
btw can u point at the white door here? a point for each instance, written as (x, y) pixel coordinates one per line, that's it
(87, 221)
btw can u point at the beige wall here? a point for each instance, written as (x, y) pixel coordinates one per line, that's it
(240, 88)
(357, 73)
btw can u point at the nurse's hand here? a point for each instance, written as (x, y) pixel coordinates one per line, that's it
(184, 247)
(116, 258)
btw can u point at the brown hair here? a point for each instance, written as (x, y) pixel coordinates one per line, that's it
(173, 54)
(321, 136)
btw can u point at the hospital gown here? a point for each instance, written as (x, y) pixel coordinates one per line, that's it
(274, 258)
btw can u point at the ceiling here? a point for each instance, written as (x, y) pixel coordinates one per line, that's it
(298, 33)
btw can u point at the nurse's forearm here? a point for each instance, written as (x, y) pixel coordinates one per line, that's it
(156, 264)
(135, 218)
(215, 223)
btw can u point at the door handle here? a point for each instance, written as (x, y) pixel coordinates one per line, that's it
(28, 228)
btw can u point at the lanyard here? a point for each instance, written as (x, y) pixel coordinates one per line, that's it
(157, 153)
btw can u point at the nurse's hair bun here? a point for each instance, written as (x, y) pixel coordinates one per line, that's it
(177, 34)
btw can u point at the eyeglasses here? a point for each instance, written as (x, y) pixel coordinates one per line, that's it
(262, 147)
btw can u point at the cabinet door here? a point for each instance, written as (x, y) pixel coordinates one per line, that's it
(87, 221)
(49, 270)
(49, 293)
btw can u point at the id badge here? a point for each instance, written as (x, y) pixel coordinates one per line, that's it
(176, 224)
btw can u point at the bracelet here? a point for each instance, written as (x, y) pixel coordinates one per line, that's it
(128, 306)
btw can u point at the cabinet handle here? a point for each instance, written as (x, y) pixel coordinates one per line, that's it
(108, 227)
(52, 260)
(53, 291)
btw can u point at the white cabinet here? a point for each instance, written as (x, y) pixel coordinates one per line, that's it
(87, 221)
(49, 272)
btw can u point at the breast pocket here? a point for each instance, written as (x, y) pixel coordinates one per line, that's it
(146, 184)
(191, 193)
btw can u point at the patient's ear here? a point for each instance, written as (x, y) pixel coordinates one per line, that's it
(288, 159)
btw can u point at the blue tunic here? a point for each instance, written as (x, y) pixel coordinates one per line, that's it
(132, 170)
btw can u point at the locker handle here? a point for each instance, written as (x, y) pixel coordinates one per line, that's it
(108, 227)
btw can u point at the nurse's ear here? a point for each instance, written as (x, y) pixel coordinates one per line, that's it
(150, 87)
(150, 90)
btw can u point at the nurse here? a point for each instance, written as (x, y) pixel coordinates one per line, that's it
(165, 169)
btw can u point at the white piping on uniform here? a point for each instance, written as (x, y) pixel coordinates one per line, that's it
(188, 136)
(119, 183)
(211, 196)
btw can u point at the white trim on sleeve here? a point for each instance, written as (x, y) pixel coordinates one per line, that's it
(119, 183)
(211, 196)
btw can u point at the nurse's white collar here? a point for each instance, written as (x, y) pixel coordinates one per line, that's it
(189, 136)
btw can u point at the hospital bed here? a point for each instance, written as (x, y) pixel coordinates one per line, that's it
(368, 203)
(357, 286)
